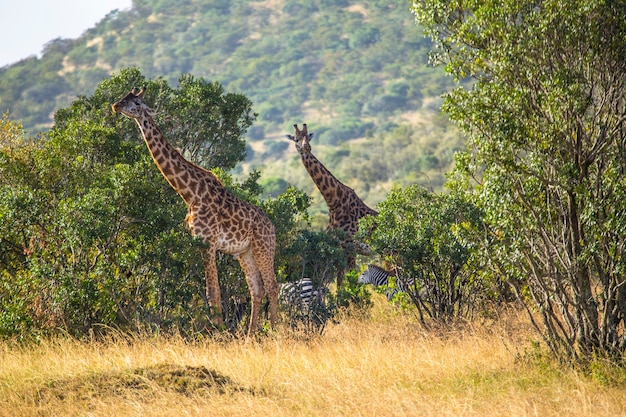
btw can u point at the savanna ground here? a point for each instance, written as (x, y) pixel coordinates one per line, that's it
(382, 365)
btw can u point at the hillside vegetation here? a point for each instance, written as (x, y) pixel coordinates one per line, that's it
(355, 71)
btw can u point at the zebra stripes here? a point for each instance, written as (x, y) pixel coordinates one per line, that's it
(378, 276)
(300, 293)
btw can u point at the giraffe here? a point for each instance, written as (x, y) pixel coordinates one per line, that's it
(344, 205)
(223, 221)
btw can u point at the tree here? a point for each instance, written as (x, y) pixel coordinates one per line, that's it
(209, 123)
(198, 117)
(425, 239)
(545, 119)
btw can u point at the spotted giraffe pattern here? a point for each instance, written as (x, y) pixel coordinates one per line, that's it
(223, 221)
(345, 208)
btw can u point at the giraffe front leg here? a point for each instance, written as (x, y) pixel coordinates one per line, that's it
(213, 293)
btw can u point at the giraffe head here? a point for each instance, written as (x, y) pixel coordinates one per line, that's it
(132, 105)
(302, 139)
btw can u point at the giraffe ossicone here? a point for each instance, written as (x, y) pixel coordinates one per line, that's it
(223, 221)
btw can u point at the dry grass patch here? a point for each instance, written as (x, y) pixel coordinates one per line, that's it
(385, 365)
(137, 383)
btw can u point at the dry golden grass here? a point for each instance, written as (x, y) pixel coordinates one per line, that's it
(383, 366)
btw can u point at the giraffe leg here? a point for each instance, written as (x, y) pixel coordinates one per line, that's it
(271, 289)
(264, 256)
(255, 284)
(213, 293)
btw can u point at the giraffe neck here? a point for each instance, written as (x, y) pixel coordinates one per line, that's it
(324, 180)
(182, 175)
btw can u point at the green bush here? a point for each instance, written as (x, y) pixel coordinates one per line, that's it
(427, 240)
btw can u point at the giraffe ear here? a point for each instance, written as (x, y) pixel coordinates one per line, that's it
(290, 137)
(310, 136)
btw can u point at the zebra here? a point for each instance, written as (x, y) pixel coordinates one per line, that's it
(300, 293)
(378, 276)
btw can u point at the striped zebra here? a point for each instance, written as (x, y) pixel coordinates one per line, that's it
(300, 293)
(378, 276)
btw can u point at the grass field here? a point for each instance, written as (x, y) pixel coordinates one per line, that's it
(385, 365)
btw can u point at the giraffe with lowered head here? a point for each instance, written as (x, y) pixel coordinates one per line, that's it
(345, 208)
(223, 221)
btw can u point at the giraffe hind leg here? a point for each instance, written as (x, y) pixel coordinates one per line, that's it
(255, 284)
(213, 294)
(264, 257)
(271, 290)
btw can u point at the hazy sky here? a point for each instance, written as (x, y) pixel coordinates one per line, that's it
(27, 25)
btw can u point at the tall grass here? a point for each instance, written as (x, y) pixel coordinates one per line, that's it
(385, 365)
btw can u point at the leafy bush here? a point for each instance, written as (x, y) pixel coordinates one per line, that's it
(425, 238)
(319, 257)
(273, 186)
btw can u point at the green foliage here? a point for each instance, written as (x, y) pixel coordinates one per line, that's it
(425, 238)
(91, 234)
(212, 124)
(289, 213)
(96, 231)
(273, 186)
(545, 124)
(318, 256)
(351, 294)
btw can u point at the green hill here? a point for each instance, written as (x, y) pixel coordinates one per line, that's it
(355, 71)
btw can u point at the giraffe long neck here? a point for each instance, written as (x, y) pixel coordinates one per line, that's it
(324, 180)
(184, 176)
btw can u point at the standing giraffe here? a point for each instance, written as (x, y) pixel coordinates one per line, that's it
(344, 206)
(223, 221)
